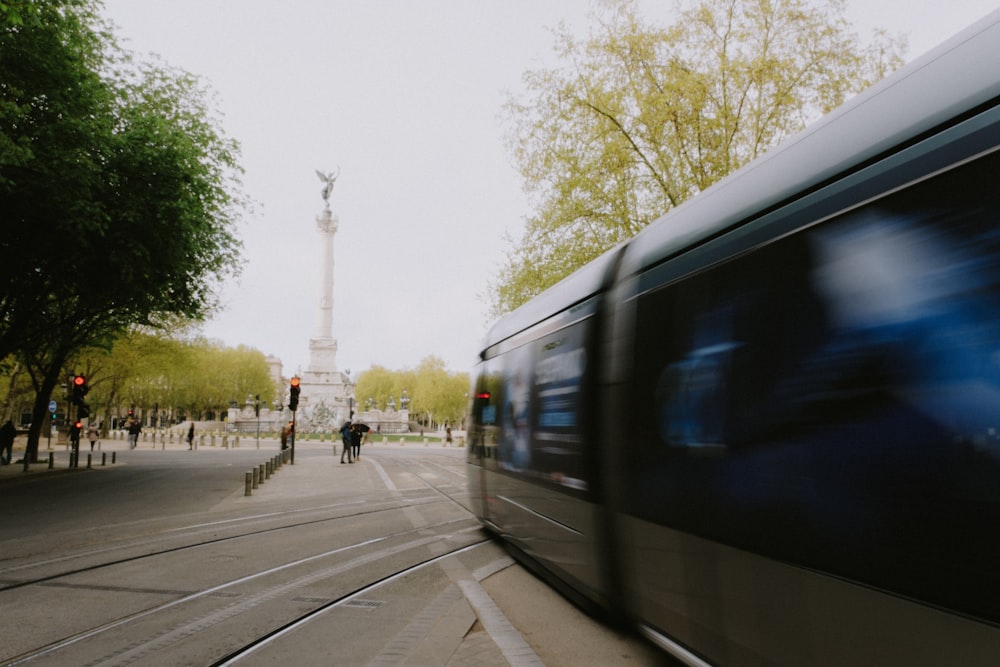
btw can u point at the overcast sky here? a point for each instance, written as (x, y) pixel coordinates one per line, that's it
(404, 97)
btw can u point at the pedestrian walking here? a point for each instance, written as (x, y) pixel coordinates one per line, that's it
(346, 437)
(93, 434)
(134, 429)
(285, 432)
(190, 437)
(7, 435)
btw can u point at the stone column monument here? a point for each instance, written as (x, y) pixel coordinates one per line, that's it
(323, 384)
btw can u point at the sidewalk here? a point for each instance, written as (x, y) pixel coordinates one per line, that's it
(106, 450)
(59, 452)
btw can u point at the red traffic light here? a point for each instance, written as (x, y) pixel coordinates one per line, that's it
(296, 381)
(80, 389)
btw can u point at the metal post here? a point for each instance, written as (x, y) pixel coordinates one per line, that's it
(291, 439)
(248, 484)
(256, 481)
(261, 473)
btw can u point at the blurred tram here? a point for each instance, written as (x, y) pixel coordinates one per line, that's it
(767, 429)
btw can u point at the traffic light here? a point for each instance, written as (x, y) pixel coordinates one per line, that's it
(80, 389)
(293, 394)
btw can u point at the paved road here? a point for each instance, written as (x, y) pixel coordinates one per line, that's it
(455, 613)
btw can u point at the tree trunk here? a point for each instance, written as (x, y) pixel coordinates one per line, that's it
(41, 409)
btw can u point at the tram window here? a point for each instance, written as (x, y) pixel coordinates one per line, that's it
(831, 399)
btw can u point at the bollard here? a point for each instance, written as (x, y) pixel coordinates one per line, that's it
(402, 441)
(113, 456)
(236, 444)
(256, 481)
(425, 442)
(104, 459)
(89, 461)
(267, 469)
(248, 481)
(52, 460)
(261, 473)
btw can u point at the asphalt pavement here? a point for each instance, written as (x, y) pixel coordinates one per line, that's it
(551, 630)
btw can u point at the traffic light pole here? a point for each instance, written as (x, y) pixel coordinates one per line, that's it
(293, 404)
(291, 438)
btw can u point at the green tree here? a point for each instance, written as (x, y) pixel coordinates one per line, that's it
(639, 118)
(137, 358)
(119, 191)
(167, 377)
(381, 384)
(436, 394)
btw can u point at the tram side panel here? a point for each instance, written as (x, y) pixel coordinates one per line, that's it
(537, 472)
(811, 473)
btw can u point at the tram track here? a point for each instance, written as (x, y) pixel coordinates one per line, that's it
(218, 587)
(186, 532)
(378, 564)
(229, 607)
(278, 633)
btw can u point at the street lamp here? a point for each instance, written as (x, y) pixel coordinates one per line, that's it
(349, 389)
